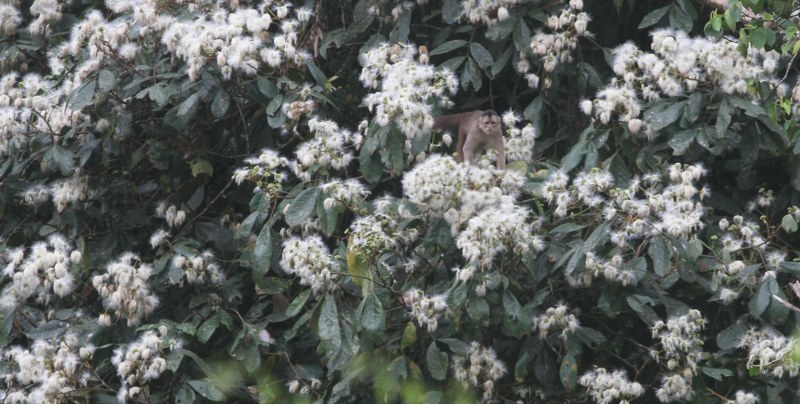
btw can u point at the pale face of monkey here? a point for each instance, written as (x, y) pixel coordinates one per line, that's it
(489, 123)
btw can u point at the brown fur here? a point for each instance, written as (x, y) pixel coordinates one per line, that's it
(477, 130)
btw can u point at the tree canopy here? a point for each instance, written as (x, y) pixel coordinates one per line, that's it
(234, 200)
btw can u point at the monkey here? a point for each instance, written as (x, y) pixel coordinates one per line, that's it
(477, 130)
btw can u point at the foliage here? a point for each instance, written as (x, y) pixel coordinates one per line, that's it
(244, 201)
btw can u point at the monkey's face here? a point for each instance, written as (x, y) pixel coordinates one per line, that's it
(489, 123)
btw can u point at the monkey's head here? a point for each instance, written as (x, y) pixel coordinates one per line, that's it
(489, 122)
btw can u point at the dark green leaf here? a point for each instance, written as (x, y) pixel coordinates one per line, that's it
(437, 362)
(661, 254)
(220, 103)
(262, 251)
(301, 207)
(569, 372)
(481, 55)
(328, 329)
(207, 389)
(653, 17)
(106, 80)
(448, 47)
(373, 318)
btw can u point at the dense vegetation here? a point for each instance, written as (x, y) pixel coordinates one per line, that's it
(235, 200)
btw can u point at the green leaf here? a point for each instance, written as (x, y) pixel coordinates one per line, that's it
(569, 372)
(202, 166)
(262, 251)
(437, 362)
(451, 11)
(62, 158)
(568, 228)
(661, 254)
(106, 80)
(318, 75)
(761, 300)
(301, 207)
(188, 107)
(574, 157)
(157, 95)
(328, 329)
(185, 395)
(590, 337)
(716, 373)
(481, 55)
(84, 95)
(373, 318)
(220, 103)
(267, 87)
(639, 305)
(409, 336)
(730, 337)
(448, 47)
(723, 118)
(661, 117)
(206, 330)
(275, 104)
(207, 389)
(758, 37)
(653, 17)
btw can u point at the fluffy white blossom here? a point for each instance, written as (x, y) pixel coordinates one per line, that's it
(140, 361)
(425, 310)
(310, 260)
(678, 65)
(770, 352)
(49, 371)
(556, 318)
(44, 272)
(125, 289)
(478, 367)
(405, 88)
(604, 387)
(486, 12)
(200, 268)
(680, 351)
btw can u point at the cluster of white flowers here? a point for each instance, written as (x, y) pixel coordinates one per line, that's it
(556, 318)
(457, 192)
(491, 232)
(328, 148)
(520, 141)
(141, 361)
(681, 350)
(558, 46)
(368, 236)
(69, 190)
(10, 18)
(172, 215)
(743, 397)
(678, 64)
(310, 260)
(45, 271)
(478, 367)
(49, 371)
(47, 12)
(405, 88)
(612, 270)
(478, 204)
(378, 8)
(672, 209)
(262, 169)
(486, 12)
(614, 387)
(125, 290)
(425, 310)
(63, 192)
(344, 193)
(304, 387)
(199, 269)
(770, 352)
